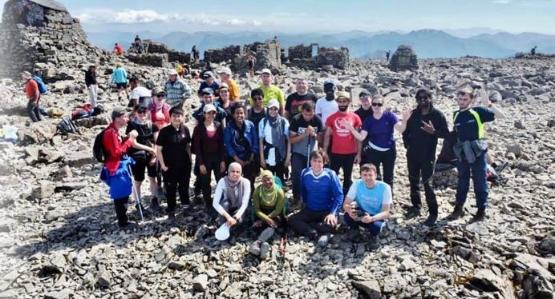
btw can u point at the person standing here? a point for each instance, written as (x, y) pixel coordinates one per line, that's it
(345, 146)
(207, 97)
(270, 90)
(275, 149)
(327, 105)
(295, 101)
(119, 78)
(209, 82)
(140, 95)
(92, 85)
(424, 126)
(471, 149)
(33, 97)
(159, 109)
(174, 155)
(233, 88)
(177, 91)
(365, 109)
(257, 111)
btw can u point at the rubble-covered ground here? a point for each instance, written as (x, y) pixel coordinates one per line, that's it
(59, 239)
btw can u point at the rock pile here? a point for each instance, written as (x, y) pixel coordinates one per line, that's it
(403, 59)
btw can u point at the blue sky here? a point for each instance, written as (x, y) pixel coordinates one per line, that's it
(314, 15)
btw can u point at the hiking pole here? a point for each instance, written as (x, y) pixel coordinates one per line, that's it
(135, 193)
(308, 152)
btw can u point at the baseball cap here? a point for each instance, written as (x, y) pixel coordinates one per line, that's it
(343, 94)
(207, 90)
(208, 108)
(329, 82)
(208, 75)
(173, 73)
(224, 70)
(266, 71)
(223, 86)
(273, 103)
(364, 93)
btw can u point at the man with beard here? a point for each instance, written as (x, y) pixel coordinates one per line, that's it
(344, 147)
(295, 101)
(425, 125)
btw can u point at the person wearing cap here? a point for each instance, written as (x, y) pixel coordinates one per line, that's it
(33, 97)
(295, 101)
(207, 97)
(231, 197)
(241, 142)
(344, 148)
(92, 84)
(471, 148)
(233, 88)
(119, 78)
(115, 166)
(209, 82)
(159, 109)
(177, 91)
(144, 159)
(424, 126)
(365, 109)
(140, 95)
(274, 146)
(208, 147)
(377, 134)
(327, 105)
(270, 91)
(257, 111)
(174, 155)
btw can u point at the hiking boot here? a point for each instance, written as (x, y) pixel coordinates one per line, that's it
(373, 242)
(171, 216)
(254, 249)
(155, 204)
(458, 212)
(266, 234)
(129, 226)
(480, 216)
(264, 250)
(431, 220)
(201, 232)
(412, 212)
(142, 209)
(323, 240)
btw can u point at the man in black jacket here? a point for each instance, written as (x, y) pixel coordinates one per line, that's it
(425, 125)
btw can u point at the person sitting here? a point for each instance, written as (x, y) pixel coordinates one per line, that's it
(322, 195)
(368, 204)
(231, 197)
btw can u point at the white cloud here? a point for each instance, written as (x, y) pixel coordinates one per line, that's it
(99, 16)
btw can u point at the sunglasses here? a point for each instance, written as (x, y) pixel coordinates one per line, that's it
(141, 112)
(377, 104)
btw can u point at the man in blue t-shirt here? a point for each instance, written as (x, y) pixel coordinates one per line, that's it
(368, 203)
(469, 129)
(322, 195)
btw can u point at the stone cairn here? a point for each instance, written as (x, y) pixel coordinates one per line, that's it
(403, 59)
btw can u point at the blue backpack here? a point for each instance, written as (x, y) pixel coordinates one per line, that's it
(42, 87)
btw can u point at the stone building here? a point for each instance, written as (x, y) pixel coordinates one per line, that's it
(314, 57)
(267, 54)
(403, 59)
(41, 34)
(157, 54)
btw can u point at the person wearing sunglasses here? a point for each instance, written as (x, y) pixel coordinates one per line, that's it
(377, 137)
(424, 126)
(257, 111)
(471, 148)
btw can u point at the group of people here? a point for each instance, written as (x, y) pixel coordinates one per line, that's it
(272, 139)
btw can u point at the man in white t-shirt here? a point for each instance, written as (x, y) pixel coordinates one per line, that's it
(140, 95)
(368, 204)
(327, 105)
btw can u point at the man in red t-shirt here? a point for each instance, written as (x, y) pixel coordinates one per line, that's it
(344, 147)
(33, 95)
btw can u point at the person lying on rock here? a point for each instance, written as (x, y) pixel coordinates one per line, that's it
(322, 195)
(367, 205)
(231, 198)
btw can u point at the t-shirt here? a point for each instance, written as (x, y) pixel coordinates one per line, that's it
(215, 86)
(380, 131)
(325, 108)
(363, 114)
(31, 89)
(295, 101)
(344, 143)
(370, 200)
(234, 91)
(272, 92)
(174, 145)
(465, 124)
(146, 133)
(255, 117)
(297, 127)
(142, 95)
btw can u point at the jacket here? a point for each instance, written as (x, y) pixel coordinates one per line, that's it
(232, 140)
(120, 181)
(419, 143)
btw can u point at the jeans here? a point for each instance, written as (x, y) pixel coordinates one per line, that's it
(203, 181)
(120, 205)
(375, 228)
(33, 111)
(425, 169)
(310, 223)
(385, 159)
(346, 162)
(478, 170)
(298, 163)
(177, 180)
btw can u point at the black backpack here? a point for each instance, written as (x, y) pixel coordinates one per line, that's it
(66, 126)
(99, 152)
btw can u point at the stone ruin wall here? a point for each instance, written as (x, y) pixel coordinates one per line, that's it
(301, 56)
(157, 54)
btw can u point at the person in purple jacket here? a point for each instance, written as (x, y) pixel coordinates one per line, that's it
(322, 195)
(376, 135)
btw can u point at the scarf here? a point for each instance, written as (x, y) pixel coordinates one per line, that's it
(233, 192)
(278, 137)
(268, 196)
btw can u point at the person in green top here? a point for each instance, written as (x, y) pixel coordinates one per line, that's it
(271, 91)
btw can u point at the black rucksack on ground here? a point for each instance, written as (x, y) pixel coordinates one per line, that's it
(66, 126)
(99, 152)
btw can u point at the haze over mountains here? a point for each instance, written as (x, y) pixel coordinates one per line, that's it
(427, 43)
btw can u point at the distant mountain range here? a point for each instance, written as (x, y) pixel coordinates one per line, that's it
(427, 43)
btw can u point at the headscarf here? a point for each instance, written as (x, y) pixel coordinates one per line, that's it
(268, 196)
(234, 191)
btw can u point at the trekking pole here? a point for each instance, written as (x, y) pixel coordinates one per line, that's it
(135, 193)
(308, 153)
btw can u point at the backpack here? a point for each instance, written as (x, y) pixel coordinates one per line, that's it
(99, 152)
(42, 87)
(66, 126)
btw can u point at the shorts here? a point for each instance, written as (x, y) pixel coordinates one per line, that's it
(121, 85)
(138, 169)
